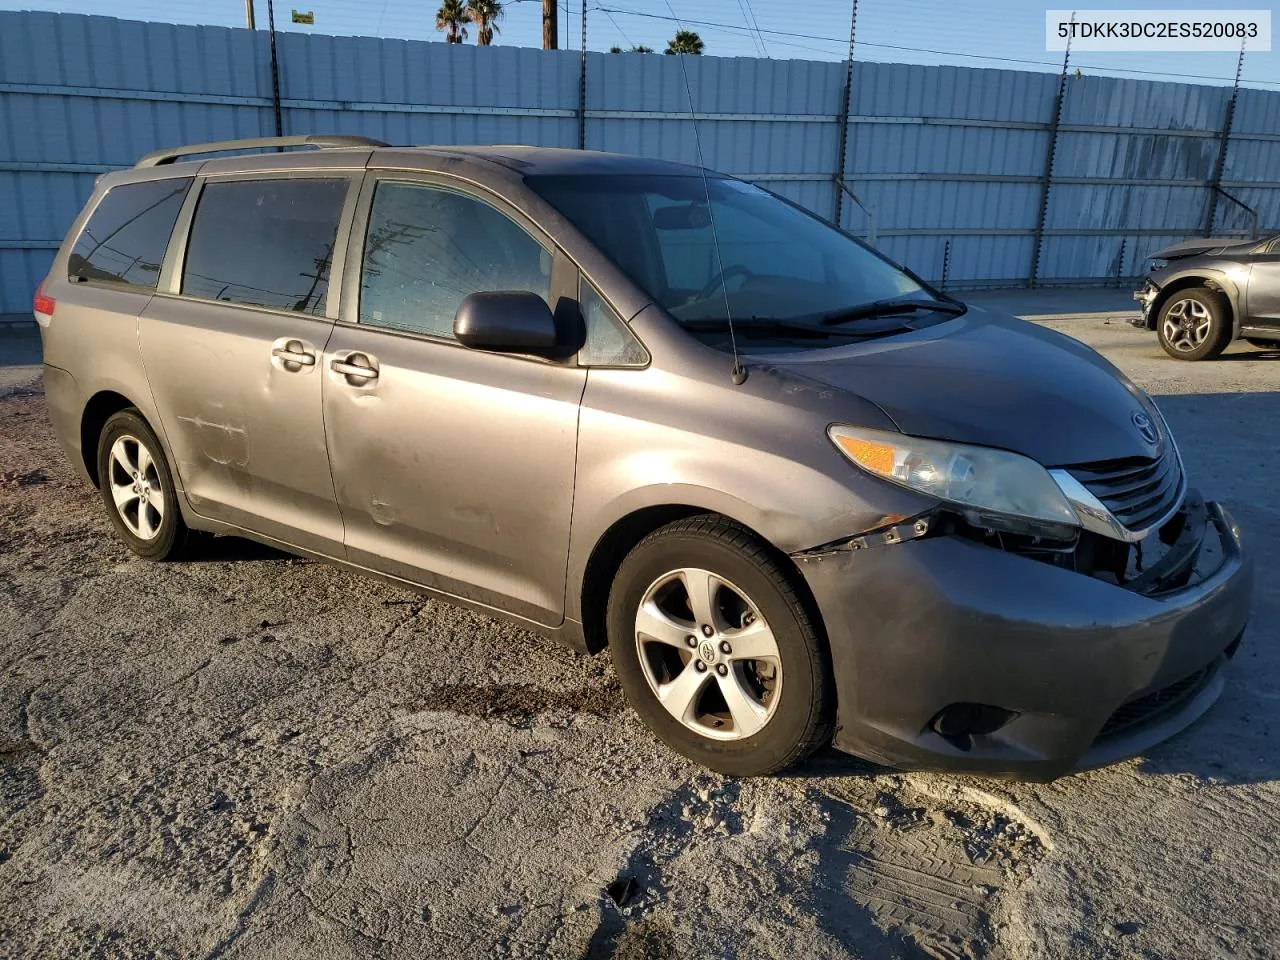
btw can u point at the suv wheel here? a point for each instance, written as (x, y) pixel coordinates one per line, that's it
(717, 652)
(1194, 324)
(137, 487)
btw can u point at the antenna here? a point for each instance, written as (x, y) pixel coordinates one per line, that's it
(737, 373)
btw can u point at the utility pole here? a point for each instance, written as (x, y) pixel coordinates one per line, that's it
(248, 14)
(550, 24)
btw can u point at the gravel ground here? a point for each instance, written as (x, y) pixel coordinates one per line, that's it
(257, 756)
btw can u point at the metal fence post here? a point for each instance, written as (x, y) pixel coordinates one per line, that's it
(582, 84)
(1045, 181)
(1220, 163)
(275, 68)
(842, 135)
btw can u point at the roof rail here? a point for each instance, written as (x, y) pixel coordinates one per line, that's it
(159, 157)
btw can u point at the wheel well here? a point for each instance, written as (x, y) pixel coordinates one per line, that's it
(97, 411)
(619, 540)
(1186, 283)
(609, 552)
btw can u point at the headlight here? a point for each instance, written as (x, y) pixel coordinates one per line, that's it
(986, 481)
(1156, 264)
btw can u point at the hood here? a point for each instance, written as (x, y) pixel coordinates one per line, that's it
(994, 381)
(1190, 248)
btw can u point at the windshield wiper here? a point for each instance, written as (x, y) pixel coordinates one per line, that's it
(891, 308)
(764, 328)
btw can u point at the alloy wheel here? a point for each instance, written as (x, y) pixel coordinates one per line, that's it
(1187, 324)
(708, 655)
(136, 488)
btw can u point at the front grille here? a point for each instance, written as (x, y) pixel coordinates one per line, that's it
(1137, 490)
(1152, 704)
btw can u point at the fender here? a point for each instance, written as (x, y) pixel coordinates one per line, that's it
(1230, 282)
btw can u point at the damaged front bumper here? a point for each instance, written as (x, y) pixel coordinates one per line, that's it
(1146, 296)
(950, 653)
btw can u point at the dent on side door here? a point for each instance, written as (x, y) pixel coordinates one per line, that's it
(239, 396)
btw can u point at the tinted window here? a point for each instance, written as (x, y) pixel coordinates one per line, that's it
(267, 243)
(127, 233)
(609, 341)
(428, 248)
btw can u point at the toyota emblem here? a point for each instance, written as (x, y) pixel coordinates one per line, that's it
(1146, 427)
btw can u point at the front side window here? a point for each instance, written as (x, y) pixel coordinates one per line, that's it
(777, 271)
(609, 342)
(428, 248)
(265, 243)
(126, 236)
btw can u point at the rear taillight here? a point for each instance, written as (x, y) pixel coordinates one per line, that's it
(42, 305)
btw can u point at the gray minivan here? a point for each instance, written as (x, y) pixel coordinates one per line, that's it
(799, 494)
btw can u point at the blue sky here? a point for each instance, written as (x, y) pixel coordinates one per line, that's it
(992, 33)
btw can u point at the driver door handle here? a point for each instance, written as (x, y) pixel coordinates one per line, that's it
(353, 370)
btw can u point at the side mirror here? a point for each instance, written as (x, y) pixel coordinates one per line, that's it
(509, 321)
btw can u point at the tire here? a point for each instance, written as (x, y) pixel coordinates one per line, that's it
(1263, 344)
(1194, 324)
(784, 695)
(138, 490)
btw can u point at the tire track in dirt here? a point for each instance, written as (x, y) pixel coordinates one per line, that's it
(931, 872)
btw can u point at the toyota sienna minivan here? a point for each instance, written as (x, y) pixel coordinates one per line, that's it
(798, 493)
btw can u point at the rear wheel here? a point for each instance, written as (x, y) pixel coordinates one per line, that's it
(137, 488)
(716, 650)
(1194, 324)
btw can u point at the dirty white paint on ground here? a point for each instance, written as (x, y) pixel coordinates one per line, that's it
(258, 756)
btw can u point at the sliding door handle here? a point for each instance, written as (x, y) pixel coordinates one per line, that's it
(299, 357)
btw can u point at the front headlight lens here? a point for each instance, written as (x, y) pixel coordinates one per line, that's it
(1155, 263)
(984, 479)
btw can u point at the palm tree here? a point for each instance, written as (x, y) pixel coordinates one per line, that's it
(484, 14)
(451, 18)
(685, 41)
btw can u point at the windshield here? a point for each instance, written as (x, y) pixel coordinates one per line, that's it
(780, 272)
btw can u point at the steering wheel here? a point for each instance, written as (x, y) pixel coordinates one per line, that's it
(721, 278)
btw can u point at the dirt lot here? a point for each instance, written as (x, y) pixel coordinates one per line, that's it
(257, 756)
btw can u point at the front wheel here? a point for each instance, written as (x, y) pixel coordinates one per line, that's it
(1195, 324)
(716, 650)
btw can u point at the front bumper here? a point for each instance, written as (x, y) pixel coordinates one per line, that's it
(916, 627)
(1146, 297)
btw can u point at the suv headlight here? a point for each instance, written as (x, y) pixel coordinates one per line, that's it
(987, 484)
(1155, 263)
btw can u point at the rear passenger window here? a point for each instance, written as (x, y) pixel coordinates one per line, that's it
(128, 232)
(265, 243)
(428, 248)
